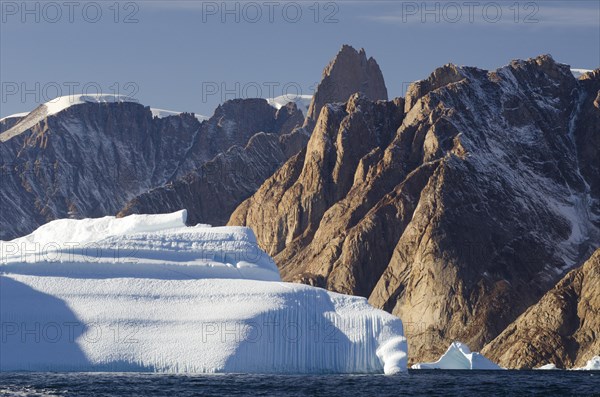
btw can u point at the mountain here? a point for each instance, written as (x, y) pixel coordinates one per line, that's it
(9, 121)
(455, 208)
(87, 156)
(213, 192)
(348, 72)
(562, 328)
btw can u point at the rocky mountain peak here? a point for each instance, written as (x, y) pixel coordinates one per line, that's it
(483, 192)
(349, 72)
(440, 77)
(546, 64)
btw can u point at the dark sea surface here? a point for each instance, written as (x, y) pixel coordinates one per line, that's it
(415, 383)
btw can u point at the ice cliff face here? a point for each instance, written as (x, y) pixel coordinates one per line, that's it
(147, 293)
(88, 158)
(456, 208)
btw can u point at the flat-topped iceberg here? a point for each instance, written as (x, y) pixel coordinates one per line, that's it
(147, 293)
(459, 356)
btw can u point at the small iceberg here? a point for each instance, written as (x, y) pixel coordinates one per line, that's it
(592, 365)
(459, 356)
(548, 367)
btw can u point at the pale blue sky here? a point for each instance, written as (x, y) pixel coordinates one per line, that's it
(177, 51)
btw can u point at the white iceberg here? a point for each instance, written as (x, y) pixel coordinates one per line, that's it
(547, 367)
(459, 356)
(147, 293)
(591, 365)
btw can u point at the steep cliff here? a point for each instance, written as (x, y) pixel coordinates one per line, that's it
(88, 157)
(455, 209)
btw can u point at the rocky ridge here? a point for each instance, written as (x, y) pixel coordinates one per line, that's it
(455, 209)
(211, 193)
(89, 159)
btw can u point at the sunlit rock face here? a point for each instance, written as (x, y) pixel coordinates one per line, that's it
(455, 209)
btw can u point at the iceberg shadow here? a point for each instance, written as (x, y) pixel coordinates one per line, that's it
(38, 331)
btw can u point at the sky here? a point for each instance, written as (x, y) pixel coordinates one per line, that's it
(192, 55)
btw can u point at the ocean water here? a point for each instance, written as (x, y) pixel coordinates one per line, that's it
(415, 383)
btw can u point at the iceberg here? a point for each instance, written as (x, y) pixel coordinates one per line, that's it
(459, 356)
(591, 365)
(148, 293)
(547, 367)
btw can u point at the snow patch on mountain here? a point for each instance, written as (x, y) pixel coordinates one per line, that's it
(147, 293)
(15, 116)
(162, 113)
(579, 72)
(301, 101)
(61, 103)
(459, 356)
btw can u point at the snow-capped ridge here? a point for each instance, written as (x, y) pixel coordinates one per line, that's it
(64, 102)
(15, 116)
(162, 113)
(301, 101)
(577, 72)
(59, 104)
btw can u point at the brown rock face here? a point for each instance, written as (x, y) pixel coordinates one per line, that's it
(456, 209)
(562, 328)
(211, 193)
(349, 72)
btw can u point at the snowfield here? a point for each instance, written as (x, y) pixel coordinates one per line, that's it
(162, 113)
(577, 73)
(459, 356)
(301, 101)
(147, 293)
